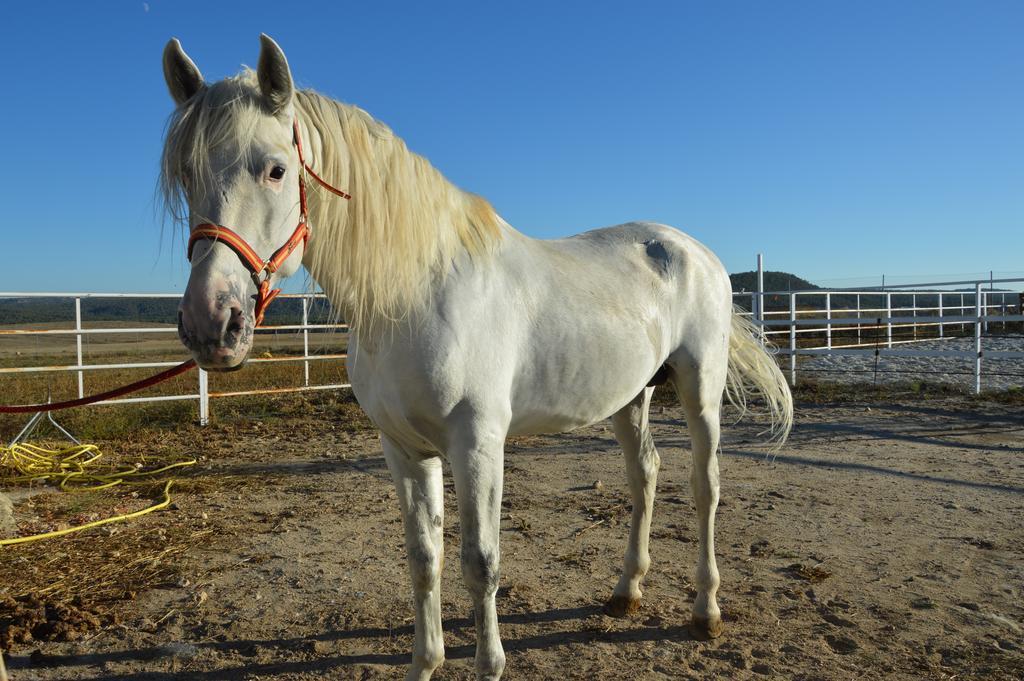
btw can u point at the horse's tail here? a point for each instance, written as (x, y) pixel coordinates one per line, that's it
(753, 369)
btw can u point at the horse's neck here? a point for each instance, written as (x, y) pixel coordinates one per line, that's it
(379, 256)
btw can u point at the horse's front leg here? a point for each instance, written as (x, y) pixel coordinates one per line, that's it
(421, 497)
(477, 468)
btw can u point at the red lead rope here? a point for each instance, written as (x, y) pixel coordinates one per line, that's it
(249, 257)
(99, 397)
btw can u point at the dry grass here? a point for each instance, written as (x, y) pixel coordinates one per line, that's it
(63, 588)
(99, 566)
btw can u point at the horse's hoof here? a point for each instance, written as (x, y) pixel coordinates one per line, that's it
(621, 606)
(704, 629)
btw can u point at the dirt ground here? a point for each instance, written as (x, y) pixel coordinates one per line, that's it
(884, 541)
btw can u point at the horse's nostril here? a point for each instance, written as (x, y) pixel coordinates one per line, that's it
(235, 327)
(182, 331)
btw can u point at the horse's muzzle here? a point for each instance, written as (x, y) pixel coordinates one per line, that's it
(219, 335)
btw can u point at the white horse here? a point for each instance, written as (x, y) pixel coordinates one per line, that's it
(464, 331)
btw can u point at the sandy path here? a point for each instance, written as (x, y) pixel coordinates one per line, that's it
(885, 541)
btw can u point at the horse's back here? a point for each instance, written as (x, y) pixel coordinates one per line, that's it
(649, 253)
(644, 264)
(552, 334)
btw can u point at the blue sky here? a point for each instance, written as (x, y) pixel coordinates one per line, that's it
(843, 140)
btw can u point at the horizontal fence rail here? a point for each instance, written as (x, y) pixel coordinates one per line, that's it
(874, 322)
(202, 393)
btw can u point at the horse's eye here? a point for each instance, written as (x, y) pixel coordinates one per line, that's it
(276, 173)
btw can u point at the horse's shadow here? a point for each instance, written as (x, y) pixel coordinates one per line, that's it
(323, 664)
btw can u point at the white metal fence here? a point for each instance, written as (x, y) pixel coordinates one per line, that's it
(202, 394)
(802, 323)
(872, 321)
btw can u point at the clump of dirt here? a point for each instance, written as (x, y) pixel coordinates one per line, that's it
(609, 511)
(808, 573)
(26, 619)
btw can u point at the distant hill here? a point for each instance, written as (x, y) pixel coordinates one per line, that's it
(149, 310)
(773, 281)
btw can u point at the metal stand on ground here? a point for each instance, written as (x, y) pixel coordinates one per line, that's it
(38, 418)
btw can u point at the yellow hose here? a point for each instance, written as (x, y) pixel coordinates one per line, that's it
(68, 469)
(95, 523)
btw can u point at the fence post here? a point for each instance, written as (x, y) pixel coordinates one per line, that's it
(888, 320)
(977, 337)
(760, 299)
(305, 337)
(792, 338)
(858, 319)
(940, 314)
(204, 398)
(988, 297)
(984, 311)
(828, 321)
(78, 344)
(913, 305)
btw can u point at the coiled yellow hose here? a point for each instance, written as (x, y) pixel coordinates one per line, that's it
(68, 468)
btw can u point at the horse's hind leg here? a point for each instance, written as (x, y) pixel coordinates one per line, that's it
(421, 497)
(632, 432)
(700, 391)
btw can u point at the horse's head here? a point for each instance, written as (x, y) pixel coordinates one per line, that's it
(231, 164)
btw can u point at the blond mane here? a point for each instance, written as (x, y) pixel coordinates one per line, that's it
(377, 256)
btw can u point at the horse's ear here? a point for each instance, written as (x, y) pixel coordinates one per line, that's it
(274, 75)
(180, 72)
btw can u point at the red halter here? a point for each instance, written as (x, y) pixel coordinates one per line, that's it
(262, 270)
